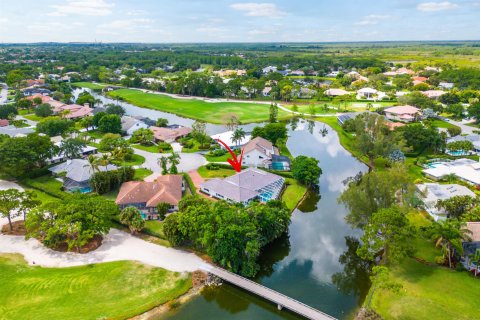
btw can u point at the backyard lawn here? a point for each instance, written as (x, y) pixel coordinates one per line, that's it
(90, 85)
(153, 148)
(136, 160)
(115, 290)
(293, 193)
(141, 173)
(198, 109)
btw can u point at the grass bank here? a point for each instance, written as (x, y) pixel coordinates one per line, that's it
(115, 290)
(198, 109)
(90, 85)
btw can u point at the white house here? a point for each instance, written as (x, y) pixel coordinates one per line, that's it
(431, 193)
(366, 93)
(336, 92)
(465, 169)
(258, 152)
(130, 125)
(269, 69)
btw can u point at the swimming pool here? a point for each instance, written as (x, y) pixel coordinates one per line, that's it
(434, 164)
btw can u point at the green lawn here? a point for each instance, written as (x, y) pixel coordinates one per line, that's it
(136, 160)
(46, 184)
(141, 173)
(197, 109)
(442, 124)
(33, 117)
(95, 134)
(429, 292)
(90, 85)
(293, 193)
(153, 148)
(218, 159)
(220, 173)
(115, 290)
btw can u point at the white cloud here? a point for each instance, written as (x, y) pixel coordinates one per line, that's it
(254, 9)
(371, 19)
(436, 6)
(124, 26)
(137, 12)
(83, 8)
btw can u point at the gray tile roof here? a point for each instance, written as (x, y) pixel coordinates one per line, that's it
(79, 170)
(242, 186)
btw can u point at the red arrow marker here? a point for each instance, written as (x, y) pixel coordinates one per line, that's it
(237, 165)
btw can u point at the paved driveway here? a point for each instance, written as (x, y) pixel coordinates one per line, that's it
(188, 161)
(463, 125)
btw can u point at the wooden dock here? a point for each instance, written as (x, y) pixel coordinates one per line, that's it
(281, 300)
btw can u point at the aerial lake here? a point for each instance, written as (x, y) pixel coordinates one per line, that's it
(303, 264)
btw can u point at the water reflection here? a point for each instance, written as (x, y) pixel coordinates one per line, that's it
(355, 277)
(310, 202)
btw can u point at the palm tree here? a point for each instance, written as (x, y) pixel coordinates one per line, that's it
(93, 162)
(174, 160)
(238, 135)
(118, 154)
(104, 160)
(449, 235)
(163, 162)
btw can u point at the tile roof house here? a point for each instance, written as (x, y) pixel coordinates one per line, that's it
(431, 193)
(433, 94)
(77, 174)
(366, 93)
(4, 122)
(169, 134)
(258, 152)
(45, 99)
(145, 196)
(35, 82)
(75, 111)
(402, 113)
(245, 186)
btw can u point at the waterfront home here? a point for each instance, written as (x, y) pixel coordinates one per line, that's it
(465, 169)
(227, 138)
(473, 138)
(258, 152)
(4, 122)
(336, 92)
(471, 248)
(31, 91)
(169, 134)
(145, 196)
(245, 186)
(72, 111)
(76, 174)
(431, 193)
(130, 125)
(402, 113)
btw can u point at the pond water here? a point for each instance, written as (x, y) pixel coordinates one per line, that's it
(304, 263)
(301, 263)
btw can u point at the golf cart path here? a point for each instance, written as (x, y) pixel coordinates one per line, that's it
(117, 245)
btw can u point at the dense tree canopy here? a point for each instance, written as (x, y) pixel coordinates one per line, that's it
(306, 170)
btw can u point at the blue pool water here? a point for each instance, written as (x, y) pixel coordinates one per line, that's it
(434, 164)
(278, 166)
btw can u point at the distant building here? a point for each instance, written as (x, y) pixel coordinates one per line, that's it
(4, 123)
(76, 174)
(446, 85)
(31, 91)
(45, 99)
(366, 93)
(73, 111)
(402, 113)
(431, 193)
(434, 94)
(336, 92)
(245, 186)
(86, 151)
(145, 196)
(269, 69)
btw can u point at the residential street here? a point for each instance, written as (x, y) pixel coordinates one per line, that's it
(188, 161)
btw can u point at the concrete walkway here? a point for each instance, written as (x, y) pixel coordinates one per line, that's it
(117, 246)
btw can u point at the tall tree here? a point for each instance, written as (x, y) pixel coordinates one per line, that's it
(174, 160)
(9, 203)
(238, 135)
(72, 147)
(449, 235)
(388, 233)
(273, 113)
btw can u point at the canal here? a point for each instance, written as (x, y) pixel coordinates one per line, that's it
(303, 264)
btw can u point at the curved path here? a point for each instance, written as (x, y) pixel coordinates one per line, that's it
(117, 245)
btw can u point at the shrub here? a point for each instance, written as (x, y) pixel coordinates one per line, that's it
(103, 182)
(163, 147)
(212, 166)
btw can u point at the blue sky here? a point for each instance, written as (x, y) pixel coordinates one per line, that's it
(237, 21)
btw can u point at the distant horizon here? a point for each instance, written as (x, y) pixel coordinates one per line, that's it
(237, 21)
